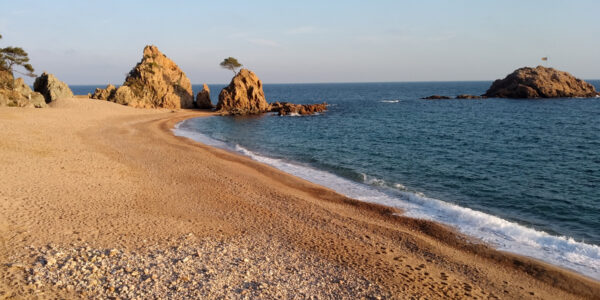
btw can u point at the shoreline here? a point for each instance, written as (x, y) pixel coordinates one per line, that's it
(155, 187)
(469, 224)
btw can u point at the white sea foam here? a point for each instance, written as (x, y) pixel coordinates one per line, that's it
(503, 234)
(390, 101)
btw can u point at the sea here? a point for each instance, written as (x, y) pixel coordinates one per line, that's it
(520, 175)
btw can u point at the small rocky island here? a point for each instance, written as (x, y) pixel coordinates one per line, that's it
(533, 83)
(540, 82)
(245, 95)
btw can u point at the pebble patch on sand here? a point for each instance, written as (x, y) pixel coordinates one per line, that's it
(194, 268)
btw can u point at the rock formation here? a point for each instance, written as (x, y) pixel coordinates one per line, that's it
(540, 82)
(155, 82)
(104, 94)
(436, 97)
(203, 98)
(286, 108)
(51, 88)
(18, 94)
(244, 95)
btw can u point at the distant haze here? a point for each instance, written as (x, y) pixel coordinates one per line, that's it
(98, 42)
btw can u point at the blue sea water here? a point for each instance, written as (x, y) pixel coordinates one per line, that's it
(522, 175)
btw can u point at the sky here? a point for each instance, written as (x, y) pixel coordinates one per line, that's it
(98, 42)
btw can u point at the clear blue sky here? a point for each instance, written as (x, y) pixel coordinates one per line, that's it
(98, 42)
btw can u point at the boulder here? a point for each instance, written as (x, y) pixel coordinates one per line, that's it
(157, 82)
(51, 88)
(540, 82)
(244, 95)
(104, 94)
(286, 108)
(124, 95)
(465, 96)
(203, 98)
(436, 97)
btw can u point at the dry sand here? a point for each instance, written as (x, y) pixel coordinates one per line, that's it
(99, 200)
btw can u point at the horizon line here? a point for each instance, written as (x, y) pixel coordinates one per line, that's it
(332, 82)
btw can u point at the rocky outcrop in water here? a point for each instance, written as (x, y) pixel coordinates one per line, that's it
(18, 94)
(540, 82)
(51, 88)
(203, 98)
(286, 108)
(436, 97)
(243, 95)
(155, 82)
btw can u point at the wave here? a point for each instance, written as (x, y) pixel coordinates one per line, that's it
(500, 233)
(390, 101)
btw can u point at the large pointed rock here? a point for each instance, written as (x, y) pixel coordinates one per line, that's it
(157, 82)
(203, 98)
(51, 88)
(244, 95)
(540, 82)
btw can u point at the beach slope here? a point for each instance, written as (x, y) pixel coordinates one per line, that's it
(102, 200)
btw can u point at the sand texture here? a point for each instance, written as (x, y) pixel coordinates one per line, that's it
(99, 200)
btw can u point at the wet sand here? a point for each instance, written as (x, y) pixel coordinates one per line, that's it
(102, 200)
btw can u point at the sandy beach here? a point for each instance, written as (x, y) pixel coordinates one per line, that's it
(101, 200)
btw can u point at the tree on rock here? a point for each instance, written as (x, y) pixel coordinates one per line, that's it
(11, 57)
(231, 63)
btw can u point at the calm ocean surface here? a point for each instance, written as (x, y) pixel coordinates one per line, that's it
(523, 175)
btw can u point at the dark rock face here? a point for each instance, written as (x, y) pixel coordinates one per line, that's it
(203, 98)
(465, 96)
(52, 88)
(436, 97)
(540, 82)
(286, 108)
(244, 95)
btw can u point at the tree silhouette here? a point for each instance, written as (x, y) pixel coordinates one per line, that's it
(11, 57)
(230, 63)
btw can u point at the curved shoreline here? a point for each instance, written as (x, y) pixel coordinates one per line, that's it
(109, 176)
(442, 232)
(470, 222)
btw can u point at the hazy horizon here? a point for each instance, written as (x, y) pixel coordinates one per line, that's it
(85, 43)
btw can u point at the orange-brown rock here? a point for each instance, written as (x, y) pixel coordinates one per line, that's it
(286, 108)
(244, 95)
(16, 93)
(203, 98)
(157, 82)
(104, 94)
(540, 82)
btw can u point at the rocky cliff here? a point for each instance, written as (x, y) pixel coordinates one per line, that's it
(540, 82)
(243, 95)
(51, 88)
(155, 82)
